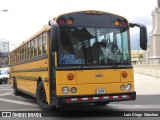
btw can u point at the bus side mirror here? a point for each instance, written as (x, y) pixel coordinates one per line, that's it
(143, 34)
(143, 38)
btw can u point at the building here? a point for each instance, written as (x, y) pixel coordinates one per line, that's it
(4, 50)
(137, 56)
(152, 55)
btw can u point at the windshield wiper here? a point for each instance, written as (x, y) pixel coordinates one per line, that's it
(113, 63)
(81, 67)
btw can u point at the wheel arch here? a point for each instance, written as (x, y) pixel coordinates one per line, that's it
(14, 81)
(39, 79)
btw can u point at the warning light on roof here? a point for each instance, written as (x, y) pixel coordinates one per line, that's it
(61, 21)
(123, 24)
(119, 22)
(116, 23)
(70, 21)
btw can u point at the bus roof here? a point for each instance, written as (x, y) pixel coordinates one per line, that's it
(45, 28)
(89, 12)
(90, 18)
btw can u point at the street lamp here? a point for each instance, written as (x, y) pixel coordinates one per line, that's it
(4, 10)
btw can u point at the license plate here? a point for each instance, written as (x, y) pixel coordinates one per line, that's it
(100, 91)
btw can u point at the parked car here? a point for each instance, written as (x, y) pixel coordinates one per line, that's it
(4, 75)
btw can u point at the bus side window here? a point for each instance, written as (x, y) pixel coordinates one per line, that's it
(15, 56)
(22, 53)
(44, 44)
(26, 52)
(35, 47)
(31, 48)
(12, 58)
(39, 45)
(18, 55)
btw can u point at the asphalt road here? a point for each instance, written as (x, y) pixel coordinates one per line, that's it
(148, 99)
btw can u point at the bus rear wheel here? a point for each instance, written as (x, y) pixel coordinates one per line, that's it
(41, 98)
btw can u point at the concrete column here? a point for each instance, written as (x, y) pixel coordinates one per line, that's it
(158, 3)
(155, 34)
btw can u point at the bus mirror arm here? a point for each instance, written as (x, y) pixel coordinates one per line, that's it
(52, 23)
(143, 34)
(135, 25)
(54, 37)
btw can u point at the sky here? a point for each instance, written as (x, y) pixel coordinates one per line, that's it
(25, 17)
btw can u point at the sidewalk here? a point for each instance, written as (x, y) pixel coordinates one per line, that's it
(146, 85)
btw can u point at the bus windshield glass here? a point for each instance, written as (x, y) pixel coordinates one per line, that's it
(93, 46)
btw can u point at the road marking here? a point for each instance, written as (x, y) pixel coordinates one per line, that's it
(4, 85)
(18, 102)
(23, 110)
(7, 93)
(5, 89)
(147, 93)
(125, 106)
(22, 97)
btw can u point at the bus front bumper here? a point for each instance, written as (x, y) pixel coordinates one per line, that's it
(96, 98)
(3, 80)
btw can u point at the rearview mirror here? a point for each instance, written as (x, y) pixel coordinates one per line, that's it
(143, 34)
(143, 38)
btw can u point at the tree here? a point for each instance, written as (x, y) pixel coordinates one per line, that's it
(141, 57)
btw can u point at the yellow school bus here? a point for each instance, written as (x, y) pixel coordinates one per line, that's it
(79, 57)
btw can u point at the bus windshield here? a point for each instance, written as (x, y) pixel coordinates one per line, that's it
(93, 46)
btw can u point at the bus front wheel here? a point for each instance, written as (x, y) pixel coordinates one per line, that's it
(16, 91)
(41, 97)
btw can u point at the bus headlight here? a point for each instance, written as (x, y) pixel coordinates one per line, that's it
(73, 90)
(128, 87)
(122, 87)
(65, 90)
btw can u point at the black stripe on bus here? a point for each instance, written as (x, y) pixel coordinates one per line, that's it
(31, 70)
(26, 78)
(65, 68)
(31, 60)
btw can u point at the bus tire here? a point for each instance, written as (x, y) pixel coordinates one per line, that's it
(101, 103)
(16, 91)
(6, 81)
(41, 98)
